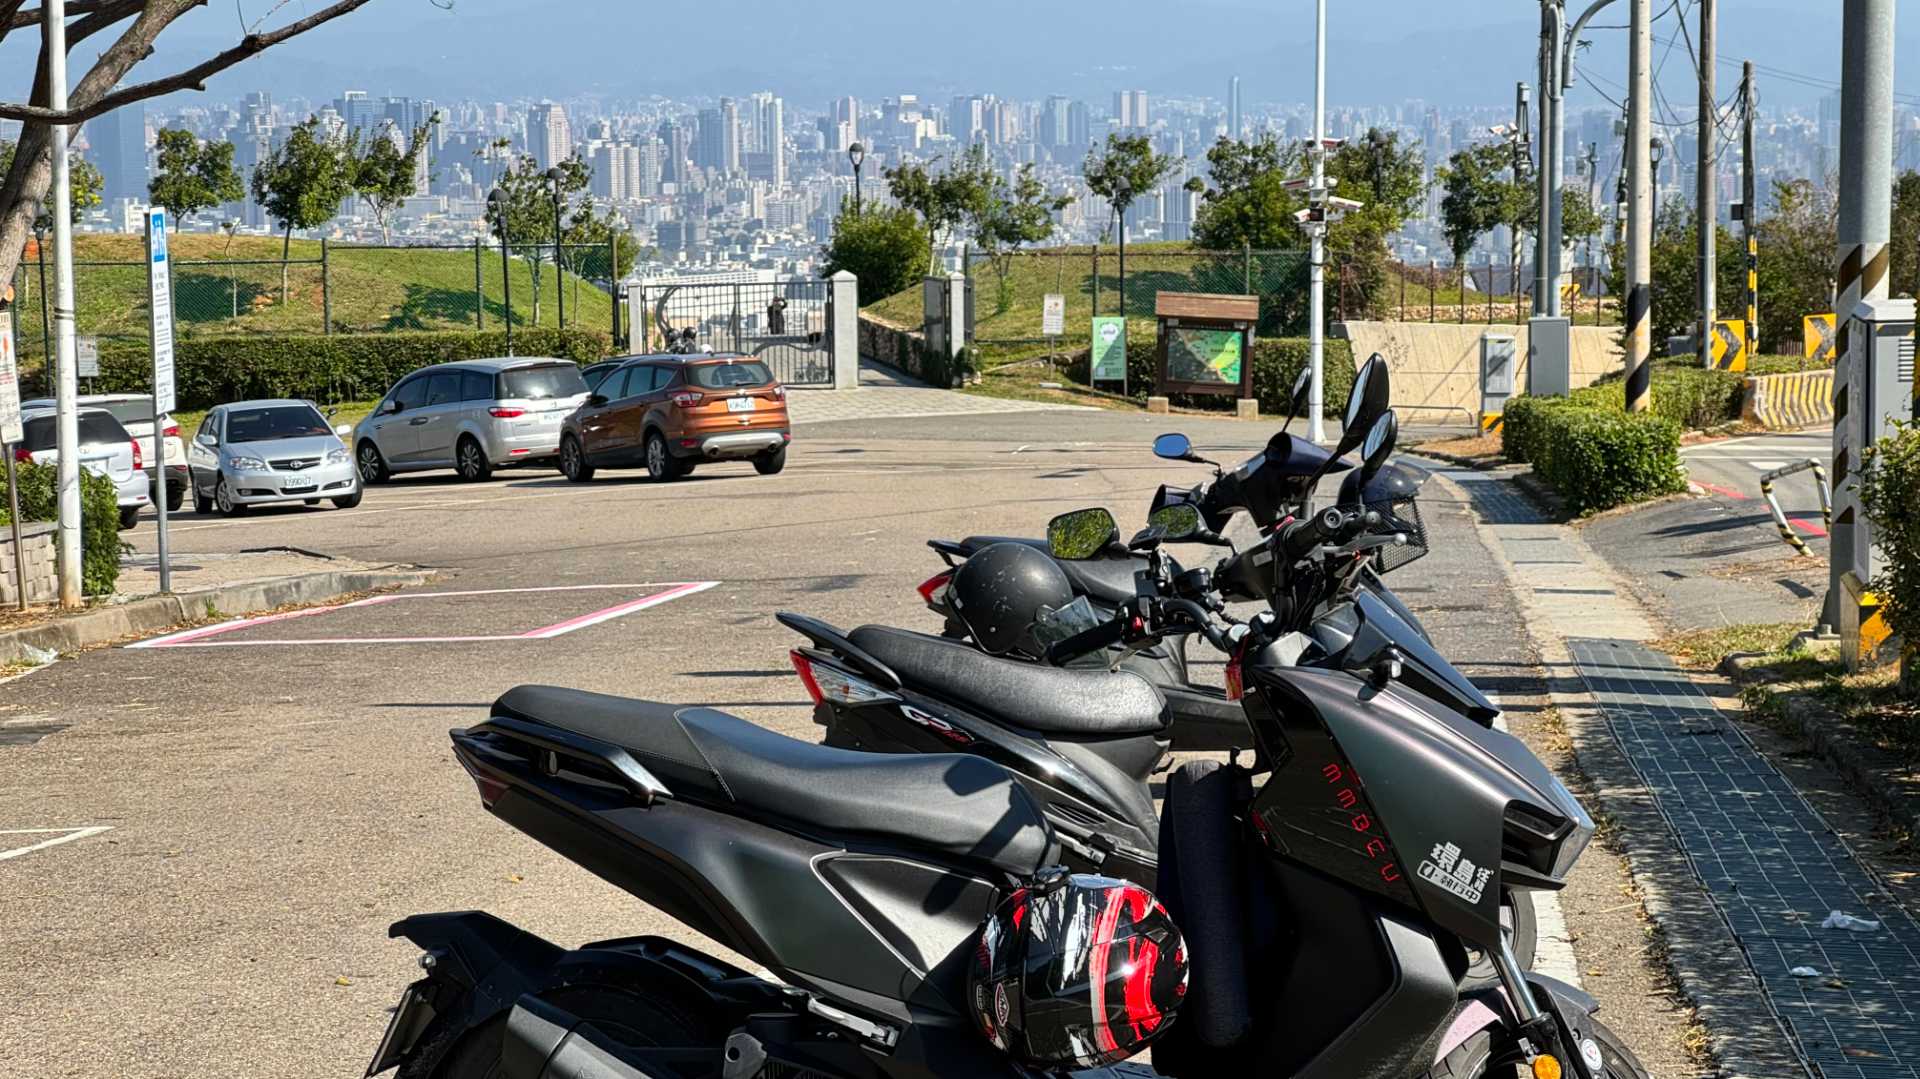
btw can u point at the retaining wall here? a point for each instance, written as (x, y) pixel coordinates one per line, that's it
(1436, 366)
(43, 577)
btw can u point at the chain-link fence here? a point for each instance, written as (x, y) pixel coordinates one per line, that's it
(347, 289)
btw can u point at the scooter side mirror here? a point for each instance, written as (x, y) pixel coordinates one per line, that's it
(1081, 534)
(1173, 446)
(1367, 402)
(1379, 445)
(1301, 396)
(1176, 522)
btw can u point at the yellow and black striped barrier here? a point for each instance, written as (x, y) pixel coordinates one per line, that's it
(1491, 422)
(1781, 402)
(1780, 517)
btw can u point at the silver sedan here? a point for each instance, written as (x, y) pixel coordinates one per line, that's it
(257, 452)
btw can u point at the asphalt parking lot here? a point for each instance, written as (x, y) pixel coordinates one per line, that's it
(240, 811)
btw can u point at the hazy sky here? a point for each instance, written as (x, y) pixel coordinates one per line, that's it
(1381, 51)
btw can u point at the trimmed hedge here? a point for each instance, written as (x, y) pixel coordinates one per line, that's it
(322, 367)
(100, 544)
(1595, 458)
(1890, 499)
(1275, 363)
(1684, 392)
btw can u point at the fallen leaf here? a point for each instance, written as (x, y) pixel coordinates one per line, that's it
(343, 980)
(1855, 1051)
(515, 878)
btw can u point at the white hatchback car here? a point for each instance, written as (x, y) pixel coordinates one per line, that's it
(135, 413)
(105, 448)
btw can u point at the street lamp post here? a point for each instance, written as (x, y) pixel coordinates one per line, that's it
(46, 311)
(856, 154)
(497, 202)
(559, 275)
(1122, 196)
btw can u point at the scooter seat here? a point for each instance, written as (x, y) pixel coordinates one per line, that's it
(1106, 580)
(964, 807)
(1053, 700)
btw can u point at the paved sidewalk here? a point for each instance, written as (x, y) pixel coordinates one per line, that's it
(1739, 869)
(887, 394)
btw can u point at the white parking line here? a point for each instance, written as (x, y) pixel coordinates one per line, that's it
(60, 835)
(1767, 466)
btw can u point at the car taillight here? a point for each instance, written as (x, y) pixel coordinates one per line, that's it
(686, 399)
(172, 430)
(935, 585)
(779, 392)
(825, 683)
(506, 413)
(138, 462)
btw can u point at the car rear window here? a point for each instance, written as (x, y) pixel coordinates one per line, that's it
(129, 412)
(725, 376)
(96, 428)
(543, 382)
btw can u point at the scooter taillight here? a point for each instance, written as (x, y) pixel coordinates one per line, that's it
(1236, 688)
(827, 683)
(935, 587)
(491, 789)
(803, 667)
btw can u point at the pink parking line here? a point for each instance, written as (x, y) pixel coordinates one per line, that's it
(1727, 491)
(1808, 527)
(585, 620)
(201, 637)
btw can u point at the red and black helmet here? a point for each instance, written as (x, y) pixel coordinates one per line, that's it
(1077, 972)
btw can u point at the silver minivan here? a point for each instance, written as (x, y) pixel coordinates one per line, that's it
(472, 416)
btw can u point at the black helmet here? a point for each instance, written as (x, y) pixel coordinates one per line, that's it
(1077, 972)
(998, 593)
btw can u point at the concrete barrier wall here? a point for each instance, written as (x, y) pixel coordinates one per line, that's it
(1803, 399)
(1436, 366)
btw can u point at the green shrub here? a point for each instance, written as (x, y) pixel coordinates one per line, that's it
(100, 545)
(1596, 459)
(1684, 392)
(323, 367)
(1275, 363)
(1890, 498)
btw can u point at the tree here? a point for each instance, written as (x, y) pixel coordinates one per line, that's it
(1580, 220)
(97, 88)
(945, 199)
(386, 174)
(1247, 204)
(83, 180)
(1904, 249)
(1129, 158)
(530, 214)
(302, 183)
(881, 245)
(193, 176)
(1389, 180)
(1796, 261)
(1011, 217)
(1479, 198)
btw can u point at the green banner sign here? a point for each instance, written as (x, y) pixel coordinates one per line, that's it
(1109, 349)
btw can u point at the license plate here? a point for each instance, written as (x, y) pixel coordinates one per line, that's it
(296, 481)
(409, 1021)
(739, 404)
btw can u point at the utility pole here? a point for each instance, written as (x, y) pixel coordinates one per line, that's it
(1593, 194)
(1543, 194)
(1749, 206)
(1548, 246)
(66, 382)
(1522, 161)
(1866, 213)
(1317, 321)
(1639, 298)
(1706, 213)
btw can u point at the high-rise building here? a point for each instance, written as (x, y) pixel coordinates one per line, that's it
(651, 159)
(1079, 124)
(967, 118)
(717, 145)
(358, 113)
(676, 149)
(610, 171)
(844, 117)
(549, 140)
(1130, 110)
(1054, 133)
(119, 143)
(1235, 130)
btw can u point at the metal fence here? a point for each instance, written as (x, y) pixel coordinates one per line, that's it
(348, 289)
(786, 323)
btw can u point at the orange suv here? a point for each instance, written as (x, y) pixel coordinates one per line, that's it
(672, 412)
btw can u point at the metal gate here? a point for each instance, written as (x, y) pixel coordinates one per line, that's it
(788, 324)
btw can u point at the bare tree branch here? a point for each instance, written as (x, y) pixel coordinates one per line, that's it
(8, 9)
(85, 106)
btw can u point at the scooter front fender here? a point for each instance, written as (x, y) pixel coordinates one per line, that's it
(1571, 1008)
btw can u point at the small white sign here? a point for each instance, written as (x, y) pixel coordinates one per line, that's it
(9, 383)
(160, 307)
(1053, 315)
(86, 357)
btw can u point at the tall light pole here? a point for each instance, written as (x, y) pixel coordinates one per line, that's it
(1639, 298)
(1707, 213)
(497, 202)
(557, 176)
(67, 388)
(1122, 197)
(856, 154)
(1568, 46)
(1317, 230)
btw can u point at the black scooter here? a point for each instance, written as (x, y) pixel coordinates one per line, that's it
(1087, 741)
(1330, 895)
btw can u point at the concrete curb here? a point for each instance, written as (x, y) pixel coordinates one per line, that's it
(155, 613)
(1478, 464)
(1864, 766)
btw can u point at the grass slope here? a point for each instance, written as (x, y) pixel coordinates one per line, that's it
(371, 290)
